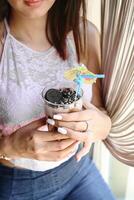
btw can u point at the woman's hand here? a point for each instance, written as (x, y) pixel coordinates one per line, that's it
(87, 126)
(29, 142)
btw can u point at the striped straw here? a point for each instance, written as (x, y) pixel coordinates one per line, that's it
(93, 76)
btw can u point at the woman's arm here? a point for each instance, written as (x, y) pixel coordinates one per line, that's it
(92, 59)
(32, 141)
(99, 123)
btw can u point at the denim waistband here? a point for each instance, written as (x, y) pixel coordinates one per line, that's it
(58, 175)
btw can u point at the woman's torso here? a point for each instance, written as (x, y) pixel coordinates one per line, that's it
(23, 75)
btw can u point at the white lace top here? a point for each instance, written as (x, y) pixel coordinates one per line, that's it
(23, 75)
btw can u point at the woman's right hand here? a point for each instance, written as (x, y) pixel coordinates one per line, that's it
(29, 142)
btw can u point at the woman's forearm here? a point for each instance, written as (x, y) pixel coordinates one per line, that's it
(102, 131)
(108, 120)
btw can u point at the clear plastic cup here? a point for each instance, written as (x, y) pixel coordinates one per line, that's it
(54, 108)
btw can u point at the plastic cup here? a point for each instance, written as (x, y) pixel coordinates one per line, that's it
(54, 108)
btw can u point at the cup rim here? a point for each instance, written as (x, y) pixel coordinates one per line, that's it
(60, 105)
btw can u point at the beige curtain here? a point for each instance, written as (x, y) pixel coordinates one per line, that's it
(118, 65)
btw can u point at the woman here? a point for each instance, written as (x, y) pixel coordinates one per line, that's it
(38, 40)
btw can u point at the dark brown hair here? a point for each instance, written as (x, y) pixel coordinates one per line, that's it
(63, 17)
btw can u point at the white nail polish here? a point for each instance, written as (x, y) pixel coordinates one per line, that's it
(58, 117)
(51, 121)
(62, 130)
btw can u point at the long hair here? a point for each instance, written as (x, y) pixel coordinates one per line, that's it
(63, 17)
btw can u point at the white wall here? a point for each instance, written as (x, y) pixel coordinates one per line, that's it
(94, 12)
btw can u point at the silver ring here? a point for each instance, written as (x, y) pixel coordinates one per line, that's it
(87, 126)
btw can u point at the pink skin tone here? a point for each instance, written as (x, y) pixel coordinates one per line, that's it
(28, 17)
(31, 8)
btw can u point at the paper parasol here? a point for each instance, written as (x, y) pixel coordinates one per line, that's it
(87, 76)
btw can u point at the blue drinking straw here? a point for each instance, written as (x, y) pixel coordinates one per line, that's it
(79, 80)
(92, 76)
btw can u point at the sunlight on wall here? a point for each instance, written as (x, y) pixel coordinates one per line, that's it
(94, 12)
(130, 185)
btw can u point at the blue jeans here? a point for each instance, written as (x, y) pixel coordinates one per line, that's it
(72, 180)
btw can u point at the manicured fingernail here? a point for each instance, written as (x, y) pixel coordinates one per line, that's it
(58, 117)
(62, 130)
(51, 121)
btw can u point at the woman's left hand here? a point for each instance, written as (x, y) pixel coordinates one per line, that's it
(86, 126)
